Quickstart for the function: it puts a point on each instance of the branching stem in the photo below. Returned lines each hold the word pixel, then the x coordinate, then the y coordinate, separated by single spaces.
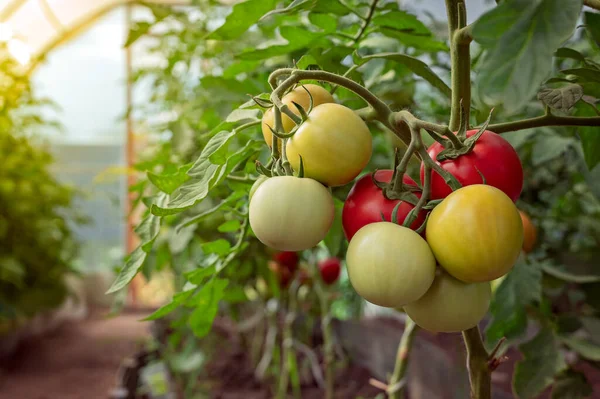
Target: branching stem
pixel 396 386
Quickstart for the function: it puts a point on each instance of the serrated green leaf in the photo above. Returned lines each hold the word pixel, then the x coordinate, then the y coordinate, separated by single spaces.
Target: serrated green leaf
pixel 178 299
pixel 331 6
pixel 562 98
pixel 417 66
pixel 206 306
pixel 586 349
pixel 521 287
pixel 128 272
pixel 215 144
pixel 235 294
pixel 242 17
pixel 306 61
pixel 335 236
pixel 521 37
pixel 243 115
pixel 229 226
pixel 571 384
pixel 195 219
pixel 401 21
pixel 167 183
pixel 148 230
pixel 220 247
pixel 297 38
pixel 570 277
pixel 592 24
pixel 542 361
pixel 424 43
pixel 589 74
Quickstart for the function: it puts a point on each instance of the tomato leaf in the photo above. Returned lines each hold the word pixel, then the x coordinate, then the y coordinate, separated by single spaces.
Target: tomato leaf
pixel 196 219
pixel 242 17
pixel 178 299
pixel 549 146
pixel 401 21
pixel 586 349
pixel 229 226
pixel 206 305
pixel 327 22
pixel 335 237
pixel 588 74
pixel 296 37
pixel 562 98
pixel 420 42
pixel 521 287
pixel 220 247
pixel 592 24
pixel 293 7
pixel 590 139
pixel 542 361
pixel 128 272
pixel 571 384
pixel 417 66
pixel 565 52
pixel 520 37
pixel 167 183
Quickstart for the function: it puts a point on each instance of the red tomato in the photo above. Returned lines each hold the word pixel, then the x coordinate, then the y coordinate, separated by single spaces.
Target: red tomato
pixel 492 155
pixel 366 202
pixel 283 274
pixel 330 270
pixel 288 259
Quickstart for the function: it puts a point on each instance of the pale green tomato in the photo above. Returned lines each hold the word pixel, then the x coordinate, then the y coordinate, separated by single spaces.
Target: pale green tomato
pixel 261 179
pixel 389 265
pixel 289 213
pixel 450 305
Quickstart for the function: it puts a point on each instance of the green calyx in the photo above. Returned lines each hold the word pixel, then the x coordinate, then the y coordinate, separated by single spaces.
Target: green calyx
pixel 467 144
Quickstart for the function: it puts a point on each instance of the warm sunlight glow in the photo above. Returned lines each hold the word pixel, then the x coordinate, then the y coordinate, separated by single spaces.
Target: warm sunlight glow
pixel 19 50
pixel 6 32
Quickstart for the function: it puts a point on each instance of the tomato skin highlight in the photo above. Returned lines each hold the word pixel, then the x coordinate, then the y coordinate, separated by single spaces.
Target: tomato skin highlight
pixel 389 265
pixel 330 270
pixel 450 305
pixel 288 213
pixel 529 233
pixel 335 145
pixel 476 233
pixel 492 155
pixel 299 95
pixel 365 204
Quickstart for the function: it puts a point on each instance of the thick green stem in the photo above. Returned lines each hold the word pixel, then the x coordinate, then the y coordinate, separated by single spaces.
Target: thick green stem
pixel 480 375
pixel 460 61
pixel 545 120
pixel 328 349
pixel 289 370
pixel 396 384
pixel 295 75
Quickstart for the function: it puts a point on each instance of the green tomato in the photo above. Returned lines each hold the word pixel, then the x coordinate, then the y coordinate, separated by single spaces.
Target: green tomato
pixel 476 233
pixel 289 213
pixel 334 143
pixel 450 305
pixel 389 265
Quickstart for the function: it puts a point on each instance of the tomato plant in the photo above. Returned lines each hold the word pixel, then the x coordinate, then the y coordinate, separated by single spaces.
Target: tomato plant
pixel 367 204
pixel 529 232
pixel 450 305
pixel 334 143
pixel 389 265
pixel 492 158
pixel 291 214
pixel 357 53
pixel 491 233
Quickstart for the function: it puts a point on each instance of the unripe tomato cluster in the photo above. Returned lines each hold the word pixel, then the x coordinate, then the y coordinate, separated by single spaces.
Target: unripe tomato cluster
pixel 440 277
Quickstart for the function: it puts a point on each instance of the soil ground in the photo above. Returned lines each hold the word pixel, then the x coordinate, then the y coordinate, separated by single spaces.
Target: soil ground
pixel 77 361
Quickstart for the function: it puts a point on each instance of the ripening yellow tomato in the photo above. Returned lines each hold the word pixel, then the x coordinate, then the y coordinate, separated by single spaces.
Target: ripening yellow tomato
pixel 298 96
pixel 335 145
pixel 476 233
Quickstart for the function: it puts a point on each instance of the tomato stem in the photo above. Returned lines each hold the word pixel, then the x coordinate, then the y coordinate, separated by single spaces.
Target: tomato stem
pixel 545 120
pixel 480 375
pixel 460 61
pixel 396 385
pixel 328 349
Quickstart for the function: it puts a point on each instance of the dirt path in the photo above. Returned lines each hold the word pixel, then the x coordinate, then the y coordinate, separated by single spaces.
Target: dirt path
pixel 78 361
